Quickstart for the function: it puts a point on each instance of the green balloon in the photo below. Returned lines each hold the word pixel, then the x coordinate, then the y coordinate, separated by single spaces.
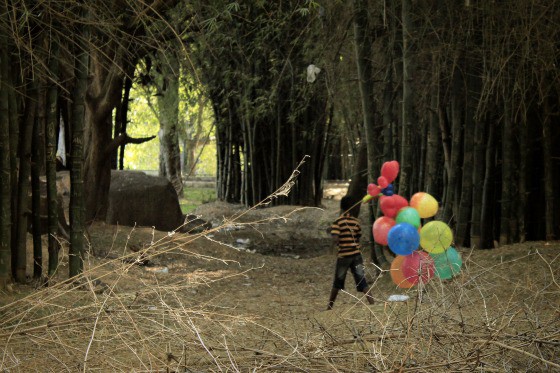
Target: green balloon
pixel 448 263
pixel 409 215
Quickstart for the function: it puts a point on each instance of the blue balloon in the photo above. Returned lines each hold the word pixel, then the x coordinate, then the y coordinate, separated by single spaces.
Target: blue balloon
pixel 403 239
pixel 388 191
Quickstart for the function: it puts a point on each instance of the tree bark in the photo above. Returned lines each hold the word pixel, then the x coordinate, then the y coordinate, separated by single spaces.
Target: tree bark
pixel 50 139
pixel 507 177
pixel 5 172
pixel 77 213
pixel 548 173
pixel 450 207
pixel 477 182
pixel 487 213
pixel 168 104
pixel 465 202
pixel 434 137
pixel 363 53
pixel 406 148
pixel 36 161
pixel 23 182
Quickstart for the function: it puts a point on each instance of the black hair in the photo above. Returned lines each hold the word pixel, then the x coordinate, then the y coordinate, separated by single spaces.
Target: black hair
pixel 350 204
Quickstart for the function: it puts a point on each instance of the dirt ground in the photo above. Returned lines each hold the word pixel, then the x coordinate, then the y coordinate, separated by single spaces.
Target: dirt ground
pixel 250 295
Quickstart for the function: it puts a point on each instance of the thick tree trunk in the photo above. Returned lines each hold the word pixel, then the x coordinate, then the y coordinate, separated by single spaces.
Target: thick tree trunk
pixel 168 104
pixel 477 182
pixel 50 139
pixel 508 180
pixel 487 213
pixel 465 202
pixel 433 171
pixel 450 207
pixel 77 216
pixel 523 193
pixel 548 173
pixel 15 122
pixel 103 95
pixel 5 172
pixel 406 147
pixel 36 161
pixel 363 45
pixel 23 182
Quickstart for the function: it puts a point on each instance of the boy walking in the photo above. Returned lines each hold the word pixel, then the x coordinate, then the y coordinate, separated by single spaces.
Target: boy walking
pixel 346 233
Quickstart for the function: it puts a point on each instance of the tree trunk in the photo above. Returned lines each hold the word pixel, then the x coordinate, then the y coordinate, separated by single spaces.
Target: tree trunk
pixel 487 213
pixel 124 117
pixel 405 174
pixel 36 160
pixel 50 138
pixel 168 104
pixel 5 172
pixel 103 95
pixel 465 202
pixel 523 193
pixel 77 213
pixel 14 157
pixel 450 207
pixel 507 177
pixel 477 182
pixel 23 182
pixel 548 173
pixel 433 171
pixel 363 44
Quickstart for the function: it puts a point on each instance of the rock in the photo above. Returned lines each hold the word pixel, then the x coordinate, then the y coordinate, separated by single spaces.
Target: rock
pixel 194 224
pixel 136 198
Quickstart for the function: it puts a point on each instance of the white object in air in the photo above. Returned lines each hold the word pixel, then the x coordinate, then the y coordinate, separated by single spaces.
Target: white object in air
pixel 312 72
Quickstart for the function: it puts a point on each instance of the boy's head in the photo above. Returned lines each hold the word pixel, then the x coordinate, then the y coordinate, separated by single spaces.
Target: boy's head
pixel 350 205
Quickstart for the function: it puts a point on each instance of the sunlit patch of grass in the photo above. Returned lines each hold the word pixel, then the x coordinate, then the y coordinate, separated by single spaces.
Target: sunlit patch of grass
pixel 194 197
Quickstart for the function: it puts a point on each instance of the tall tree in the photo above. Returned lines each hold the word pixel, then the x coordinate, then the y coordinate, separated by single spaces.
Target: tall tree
pixel 50 146
pixel 167 81
pixel 77 208
pixel 5 172
pixel 23 181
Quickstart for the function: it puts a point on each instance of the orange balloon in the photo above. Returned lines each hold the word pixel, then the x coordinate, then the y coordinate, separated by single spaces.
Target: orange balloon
pixel 397 274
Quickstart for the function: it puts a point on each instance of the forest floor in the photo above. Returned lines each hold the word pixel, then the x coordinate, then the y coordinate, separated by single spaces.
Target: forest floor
pixel 251 294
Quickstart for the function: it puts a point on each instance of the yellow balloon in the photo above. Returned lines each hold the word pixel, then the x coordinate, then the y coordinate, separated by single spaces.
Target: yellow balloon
pixel 426 205
pixel 436 237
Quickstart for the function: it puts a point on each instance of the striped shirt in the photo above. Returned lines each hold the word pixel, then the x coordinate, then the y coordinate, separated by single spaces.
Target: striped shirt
pixel 348 230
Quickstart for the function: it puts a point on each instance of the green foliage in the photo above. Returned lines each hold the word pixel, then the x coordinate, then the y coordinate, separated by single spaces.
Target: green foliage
pixel 194 197
pixel 143 123
pixel 195 117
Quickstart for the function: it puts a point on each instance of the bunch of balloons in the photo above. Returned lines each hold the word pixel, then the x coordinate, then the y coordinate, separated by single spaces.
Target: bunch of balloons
pixel 401 229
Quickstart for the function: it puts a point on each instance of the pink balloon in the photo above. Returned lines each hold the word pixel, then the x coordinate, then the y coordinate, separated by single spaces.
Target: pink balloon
pixel 373 190
pixel 390 205
pixel 381 228
pixel 382 181
pixel 390 170
pixel 418 266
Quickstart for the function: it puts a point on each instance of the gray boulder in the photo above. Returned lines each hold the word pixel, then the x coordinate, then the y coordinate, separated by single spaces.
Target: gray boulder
pixel 136 198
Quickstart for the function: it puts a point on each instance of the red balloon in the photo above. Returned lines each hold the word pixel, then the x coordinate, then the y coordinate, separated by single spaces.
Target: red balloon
pixel 418 266
pixel 390 170
pixel 381 228
pixel 390 205
pixel 382 181
pixel 373 190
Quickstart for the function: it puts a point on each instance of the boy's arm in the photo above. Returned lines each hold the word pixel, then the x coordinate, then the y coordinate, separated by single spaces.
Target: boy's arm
pixel 334 248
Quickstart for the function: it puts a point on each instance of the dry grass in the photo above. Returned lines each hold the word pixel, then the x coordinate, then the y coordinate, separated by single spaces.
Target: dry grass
pixel 224 310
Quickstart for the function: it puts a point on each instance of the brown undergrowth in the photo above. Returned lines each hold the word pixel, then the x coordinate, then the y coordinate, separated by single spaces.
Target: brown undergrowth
pixel 205 304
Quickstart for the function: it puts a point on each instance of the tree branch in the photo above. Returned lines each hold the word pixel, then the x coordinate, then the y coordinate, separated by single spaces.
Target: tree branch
pixel 124 139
